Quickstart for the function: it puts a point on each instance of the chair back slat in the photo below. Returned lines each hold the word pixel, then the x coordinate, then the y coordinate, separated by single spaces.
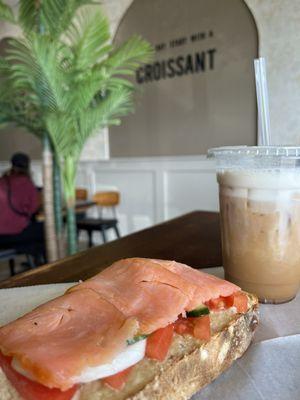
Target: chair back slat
pixel 107 199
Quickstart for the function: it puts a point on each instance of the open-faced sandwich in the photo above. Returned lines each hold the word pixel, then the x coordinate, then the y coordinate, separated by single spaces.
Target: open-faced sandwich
pixel 141 329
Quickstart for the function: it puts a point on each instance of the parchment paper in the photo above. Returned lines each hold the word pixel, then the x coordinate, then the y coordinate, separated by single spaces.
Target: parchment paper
pixel 17 301
pixel 270 369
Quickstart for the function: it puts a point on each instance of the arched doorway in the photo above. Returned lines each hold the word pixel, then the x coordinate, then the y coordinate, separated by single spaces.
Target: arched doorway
pixel 199 91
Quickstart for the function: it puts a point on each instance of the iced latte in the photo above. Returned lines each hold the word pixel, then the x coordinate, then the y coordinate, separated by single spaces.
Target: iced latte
pixel 260 223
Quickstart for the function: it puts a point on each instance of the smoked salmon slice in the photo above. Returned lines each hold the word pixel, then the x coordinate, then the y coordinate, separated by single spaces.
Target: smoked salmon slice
pixel 208 286
pixel 156 291
pixel 57 340
pixel 138 287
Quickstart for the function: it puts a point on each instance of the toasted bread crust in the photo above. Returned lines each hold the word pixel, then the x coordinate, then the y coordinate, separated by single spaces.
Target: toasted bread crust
pixel 197 369
pixel 184 376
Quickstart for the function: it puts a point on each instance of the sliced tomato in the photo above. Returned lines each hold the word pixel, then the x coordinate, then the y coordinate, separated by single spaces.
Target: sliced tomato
pixel 202 327
pixel 240 301
pixel 221 303
pixel 198 327
pixel 30 390
pixel 184 326
pixel 118 380
pixel 159 342
pixel 228 301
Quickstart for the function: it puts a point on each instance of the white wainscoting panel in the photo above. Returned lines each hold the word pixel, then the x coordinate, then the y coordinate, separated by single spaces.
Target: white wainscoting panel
pixel 137 189
pixel 152 189
pixel 187 190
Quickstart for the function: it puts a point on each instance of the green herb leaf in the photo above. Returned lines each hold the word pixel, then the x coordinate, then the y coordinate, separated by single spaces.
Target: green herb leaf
pixel 136 339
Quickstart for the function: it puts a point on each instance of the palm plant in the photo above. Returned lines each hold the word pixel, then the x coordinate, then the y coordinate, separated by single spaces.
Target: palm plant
pixel 42 18
pixel 75 75
pixel 92 93
pixel 17 106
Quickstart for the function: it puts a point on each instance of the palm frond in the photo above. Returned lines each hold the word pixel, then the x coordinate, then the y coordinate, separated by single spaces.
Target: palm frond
pixel 107 112
pixel 48 17
pixel 88 36
pixel 58 14
pixel 29 15
pixel 83 92
pixel 4 113
pixel 62 130
pixel 69 131
pixel 93 84
pixel 87 86
pixel 26 116
pixel 6 13
pixel 36 68
pixel 129 56
pixel 4 68
pixel 114 83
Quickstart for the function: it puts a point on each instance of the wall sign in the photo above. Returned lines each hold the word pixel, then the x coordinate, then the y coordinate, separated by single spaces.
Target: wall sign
pixel 178 66
pixel 199 90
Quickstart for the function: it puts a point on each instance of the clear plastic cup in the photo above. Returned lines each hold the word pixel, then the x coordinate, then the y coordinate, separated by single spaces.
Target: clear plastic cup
pixel 259 189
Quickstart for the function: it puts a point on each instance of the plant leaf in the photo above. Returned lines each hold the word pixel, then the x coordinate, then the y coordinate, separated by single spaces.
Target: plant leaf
pixel 89 35
pixel 130 56
pixel 64 77
pixel 69 131
pixel 58 14
pixel 29 15
pixel 36 68
pixel 6 13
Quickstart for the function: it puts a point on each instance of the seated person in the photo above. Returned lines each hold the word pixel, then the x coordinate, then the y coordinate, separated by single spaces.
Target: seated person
pixel 19 201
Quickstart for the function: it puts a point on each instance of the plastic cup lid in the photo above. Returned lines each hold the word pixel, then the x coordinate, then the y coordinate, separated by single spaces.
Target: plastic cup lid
pixel 286 151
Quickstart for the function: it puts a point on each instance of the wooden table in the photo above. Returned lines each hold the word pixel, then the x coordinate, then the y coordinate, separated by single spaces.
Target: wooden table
pixel 80 207
pixel 193 239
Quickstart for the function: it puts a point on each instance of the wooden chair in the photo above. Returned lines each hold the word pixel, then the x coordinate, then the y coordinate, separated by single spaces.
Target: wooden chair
pixel 107 199
pixel 101 224
pixel 9 255
pixel 81 194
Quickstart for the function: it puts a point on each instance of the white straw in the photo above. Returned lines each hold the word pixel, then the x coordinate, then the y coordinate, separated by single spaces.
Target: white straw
pixel 264 138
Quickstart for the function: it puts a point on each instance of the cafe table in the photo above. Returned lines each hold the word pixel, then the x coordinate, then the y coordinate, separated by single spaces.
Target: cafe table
pixel 193 239
pixel 81 206
pixel 270 369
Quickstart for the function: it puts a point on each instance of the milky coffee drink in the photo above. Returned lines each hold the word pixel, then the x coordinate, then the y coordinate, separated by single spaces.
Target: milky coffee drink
pixel 260 221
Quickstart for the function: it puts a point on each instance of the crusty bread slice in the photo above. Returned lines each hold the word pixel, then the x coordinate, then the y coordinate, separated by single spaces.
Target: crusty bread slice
pixel 191 364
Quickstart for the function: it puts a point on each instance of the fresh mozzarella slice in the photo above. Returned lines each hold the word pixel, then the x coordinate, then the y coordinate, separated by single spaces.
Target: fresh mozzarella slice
pixel 17 367
pixel 130 356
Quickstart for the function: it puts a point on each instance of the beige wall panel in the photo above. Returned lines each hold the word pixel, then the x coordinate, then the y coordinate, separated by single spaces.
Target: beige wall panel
pixel 187 114
pixel 14 139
